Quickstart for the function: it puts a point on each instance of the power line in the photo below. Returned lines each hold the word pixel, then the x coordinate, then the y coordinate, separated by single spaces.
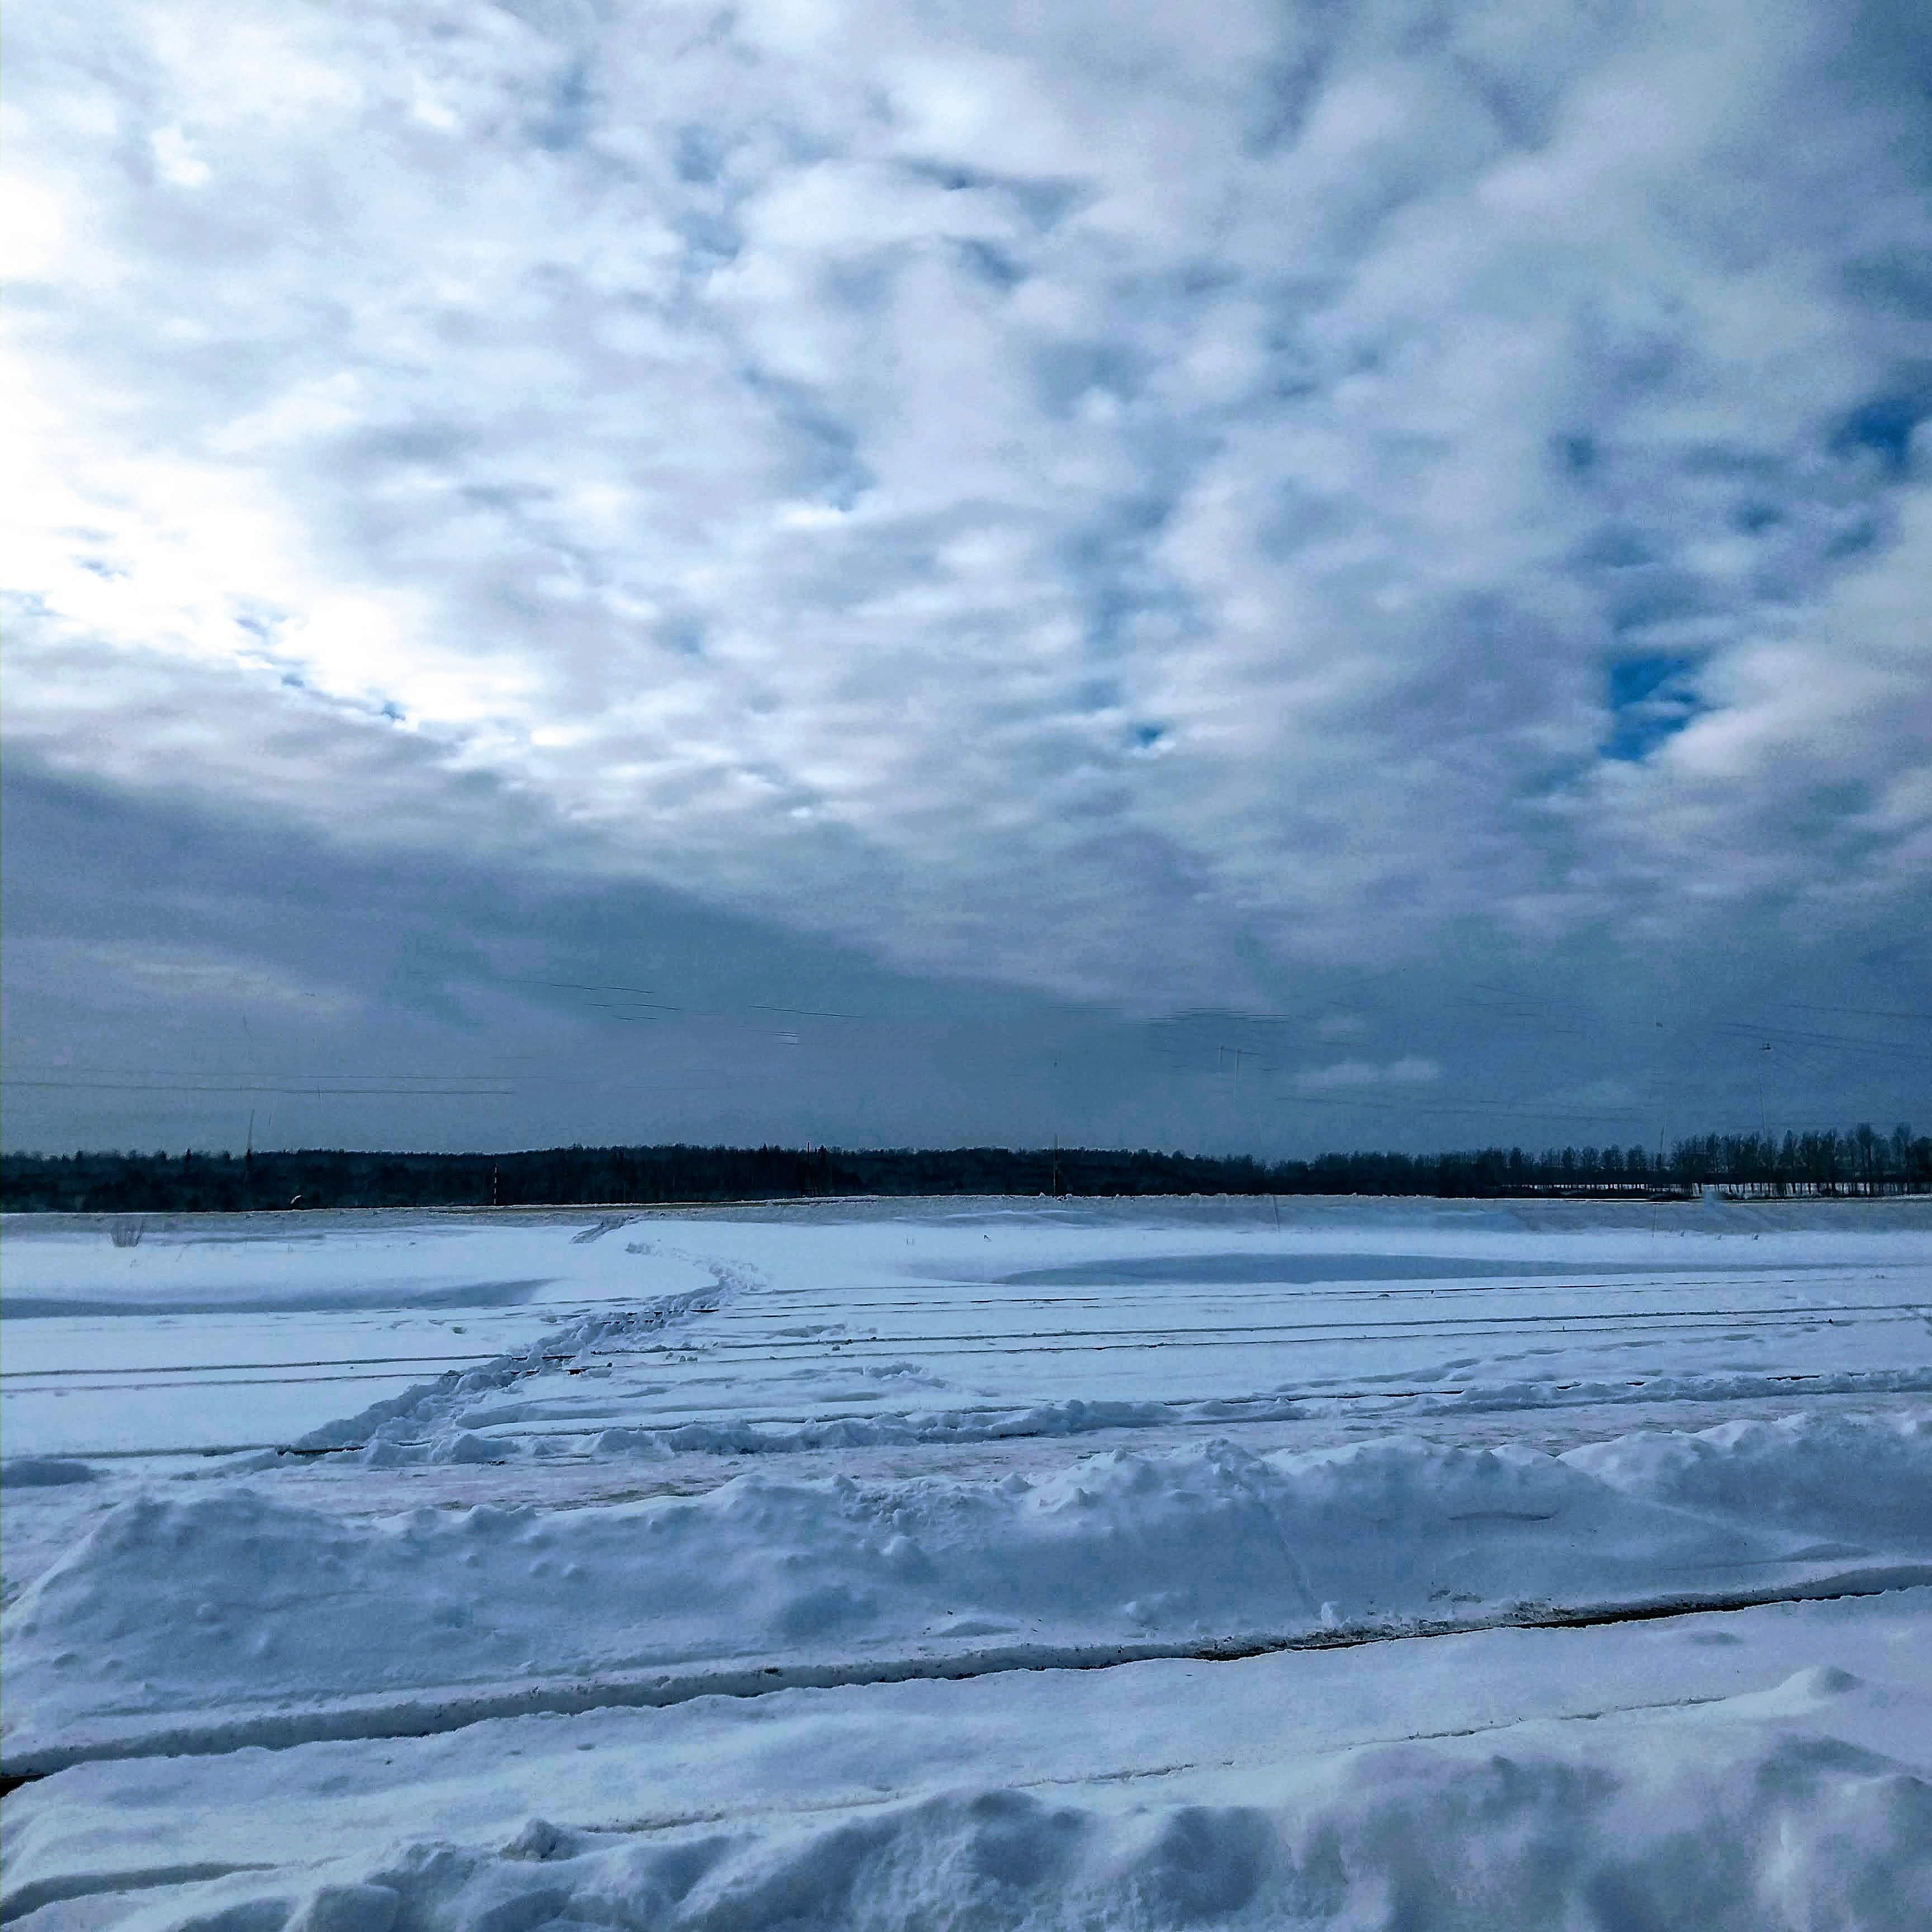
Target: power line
pixel 312 1092
pixel 1823 1043
pixel 645 996
pixel 581 986
pixel 223 1073
pixel 1863 1012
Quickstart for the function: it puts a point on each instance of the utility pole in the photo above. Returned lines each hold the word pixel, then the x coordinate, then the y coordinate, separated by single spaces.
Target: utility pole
pixel 1239 1053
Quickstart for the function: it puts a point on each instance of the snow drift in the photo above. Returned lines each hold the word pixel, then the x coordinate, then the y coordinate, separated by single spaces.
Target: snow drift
pixel 235 1602
pixel 1739 1817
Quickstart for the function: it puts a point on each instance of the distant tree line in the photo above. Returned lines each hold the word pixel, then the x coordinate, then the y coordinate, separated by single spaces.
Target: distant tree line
pixel 1863 1162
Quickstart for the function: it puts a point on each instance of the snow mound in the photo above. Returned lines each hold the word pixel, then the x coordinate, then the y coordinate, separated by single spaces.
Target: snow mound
pixel 1072 1417
pixel 1730 1387
pixel 44 1472
pixel 1864 1476
pixel 426 1434
pixel 1720 1824
pixel 236 1601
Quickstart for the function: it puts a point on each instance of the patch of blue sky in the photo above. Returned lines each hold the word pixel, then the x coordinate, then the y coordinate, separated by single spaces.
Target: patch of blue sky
pixel 1044 202
pixel 566 117
pixel 824 450
pixel 1883 426
pixel 1652 699
pixel 994 267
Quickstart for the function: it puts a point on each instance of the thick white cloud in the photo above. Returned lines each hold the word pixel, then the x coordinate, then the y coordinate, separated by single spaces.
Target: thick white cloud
pixel 1123 499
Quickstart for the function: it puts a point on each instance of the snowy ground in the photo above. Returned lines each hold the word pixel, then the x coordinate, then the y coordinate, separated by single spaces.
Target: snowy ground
pixel 1108 1564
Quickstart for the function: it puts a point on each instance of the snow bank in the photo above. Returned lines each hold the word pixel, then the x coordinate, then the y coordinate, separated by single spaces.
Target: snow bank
pixel 1653 1389
pixel 1736 1818
pixel 1868 1476
pixel 995 1424
pixel 234 1602
pixel 990 1424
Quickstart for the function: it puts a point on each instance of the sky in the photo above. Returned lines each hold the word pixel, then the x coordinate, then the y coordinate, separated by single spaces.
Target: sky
pixel 1340 573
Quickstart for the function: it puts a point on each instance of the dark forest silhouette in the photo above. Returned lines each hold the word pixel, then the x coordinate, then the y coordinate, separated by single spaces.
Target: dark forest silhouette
pixel 1862 1162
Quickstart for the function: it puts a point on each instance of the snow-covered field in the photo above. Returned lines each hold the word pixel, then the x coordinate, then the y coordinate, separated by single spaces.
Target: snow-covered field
pixel 1349 1563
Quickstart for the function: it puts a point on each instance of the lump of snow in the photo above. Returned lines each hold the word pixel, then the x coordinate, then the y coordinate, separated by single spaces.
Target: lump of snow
pixel 468 1447
pixel 540 1840
pixel 349 1908
pixel 1868 1475
pixel 43 1472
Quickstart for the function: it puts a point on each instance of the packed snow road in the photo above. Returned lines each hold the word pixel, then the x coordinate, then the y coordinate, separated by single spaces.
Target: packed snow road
pixel 401 1498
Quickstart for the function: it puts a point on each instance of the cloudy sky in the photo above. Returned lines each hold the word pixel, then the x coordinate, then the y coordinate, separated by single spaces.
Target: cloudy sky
pixel 1339 572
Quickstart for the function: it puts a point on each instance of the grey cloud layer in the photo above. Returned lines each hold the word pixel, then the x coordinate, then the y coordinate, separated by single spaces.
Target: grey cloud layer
pixel 182 974
pixel 1128 500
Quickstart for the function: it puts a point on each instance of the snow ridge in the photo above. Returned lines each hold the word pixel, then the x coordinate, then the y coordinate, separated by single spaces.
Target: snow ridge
pixel 434 1711
pixel 1075 1417
pixel 237 1601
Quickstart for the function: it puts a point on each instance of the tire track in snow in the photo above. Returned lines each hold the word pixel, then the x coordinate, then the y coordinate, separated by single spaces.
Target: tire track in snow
pixel 1244 1334
pixel 31 1897
pixel 791 1434
pixel 419 1409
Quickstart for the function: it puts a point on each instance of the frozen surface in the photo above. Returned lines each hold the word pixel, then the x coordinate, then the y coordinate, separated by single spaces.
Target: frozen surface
pixel 940 1321
pixel 401 1482
pixel 250 1331
pixel 979 1323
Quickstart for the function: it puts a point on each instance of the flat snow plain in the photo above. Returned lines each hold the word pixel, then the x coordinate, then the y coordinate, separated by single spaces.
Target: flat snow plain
pixel 974 1563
